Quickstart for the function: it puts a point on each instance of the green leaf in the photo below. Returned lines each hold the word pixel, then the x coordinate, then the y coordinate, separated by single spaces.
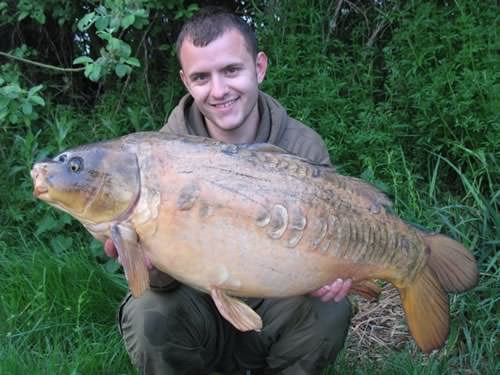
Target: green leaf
pixel 96 248
pixel 114 24
pixel 39 16
pixel 102 22
pixel 121 70
pixel 114 44
pixel 37 100
pixel 27 108
pixel 46 224
pixel 11 91
pixel 86 21
pixel 127 21
pixel 104 35
pixel 88 70
pixel 133 61
pixel 125 49
pixel 101 10
pixel 13 118
pixel 4 101
pixel 82 60
pixel 34 90
pixel 61 243
pixel 95 73
pixel 112 266
pixel 22 15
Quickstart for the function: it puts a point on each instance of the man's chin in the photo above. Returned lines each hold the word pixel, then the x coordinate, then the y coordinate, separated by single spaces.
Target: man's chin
pixel 226 124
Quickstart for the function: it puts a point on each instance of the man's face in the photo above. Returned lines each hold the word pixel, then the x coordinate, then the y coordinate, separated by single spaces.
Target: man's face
pixel 223 78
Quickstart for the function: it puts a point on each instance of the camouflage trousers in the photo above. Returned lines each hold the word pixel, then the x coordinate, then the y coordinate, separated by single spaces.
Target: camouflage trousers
pixel 180 332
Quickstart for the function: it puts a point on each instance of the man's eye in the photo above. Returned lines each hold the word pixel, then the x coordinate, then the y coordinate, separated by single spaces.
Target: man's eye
pixel 199 77
pixel 232 70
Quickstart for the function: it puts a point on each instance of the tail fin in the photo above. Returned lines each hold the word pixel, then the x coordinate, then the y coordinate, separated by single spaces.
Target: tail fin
pixel 426 307
pixel 454 266
pixel 450 268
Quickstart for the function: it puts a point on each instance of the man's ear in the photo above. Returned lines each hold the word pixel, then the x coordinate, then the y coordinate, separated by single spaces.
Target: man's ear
pixel 261 66
pixel 184 79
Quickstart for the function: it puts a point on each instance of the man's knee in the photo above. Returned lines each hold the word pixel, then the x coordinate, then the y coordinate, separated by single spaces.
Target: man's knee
pixel 167 328
pixel 332 317
pixel 177 332
pixel 332 324
pixel 143 324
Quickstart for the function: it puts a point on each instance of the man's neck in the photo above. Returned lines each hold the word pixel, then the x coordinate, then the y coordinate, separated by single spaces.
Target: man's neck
pixel 246 133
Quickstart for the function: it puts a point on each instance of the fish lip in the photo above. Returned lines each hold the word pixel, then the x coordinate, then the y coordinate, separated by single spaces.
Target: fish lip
pixel 38 175
pixel 40 191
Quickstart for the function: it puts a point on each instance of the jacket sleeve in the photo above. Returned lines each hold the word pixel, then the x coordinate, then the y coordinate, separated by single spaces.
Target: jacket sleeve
pixel 303 141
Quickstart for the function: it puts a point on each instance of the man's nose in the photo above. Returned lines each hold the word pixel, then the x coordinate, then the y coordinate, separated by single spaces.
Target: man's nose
pixel 219 87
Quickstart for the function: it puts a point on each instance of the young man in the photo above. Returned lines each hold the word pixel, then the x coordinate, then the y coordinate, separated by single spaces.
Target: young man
pixel 173 329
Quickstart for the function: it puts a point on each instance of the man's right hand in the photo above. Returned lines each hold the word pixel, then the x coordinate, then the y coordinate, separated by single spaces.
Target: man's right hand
pixel 110 249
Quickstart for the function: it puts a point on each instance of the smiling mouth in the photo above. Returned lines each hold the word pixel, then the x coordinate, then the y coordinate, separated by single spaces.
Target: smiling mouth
pixel 225 104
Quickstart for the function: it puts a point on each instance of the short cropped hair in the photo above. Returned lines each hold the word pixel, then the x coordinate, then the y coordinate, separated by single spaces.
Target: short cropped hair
pixel 211 23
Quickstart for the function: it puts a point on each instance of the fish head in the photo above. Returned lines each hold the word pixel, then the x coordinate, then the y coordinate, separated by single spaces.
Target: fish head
pixel 93 183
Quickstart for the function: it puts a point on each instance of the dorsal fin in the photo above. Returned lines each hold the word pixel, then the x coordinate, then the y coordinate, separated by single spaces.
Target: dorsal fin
pixel 270 148
pixel 368 195
pixel 264 147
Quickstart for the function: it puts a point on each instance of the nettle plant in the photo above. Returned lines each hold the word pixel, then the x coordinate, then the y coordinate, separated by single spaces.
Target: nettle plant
pixel 18 105
pixel 111 22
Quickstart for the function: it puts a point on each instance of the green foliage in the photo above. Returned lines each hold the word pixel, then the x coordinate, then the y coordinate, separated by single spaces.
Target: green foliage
pixel 17 104
pixel 111 19
pixel 16 11
pixel 55 311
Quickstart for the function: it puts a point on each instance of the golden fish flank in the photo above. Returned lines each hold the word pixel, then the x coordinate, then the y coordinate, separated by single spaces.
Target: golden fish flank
pixel 214 215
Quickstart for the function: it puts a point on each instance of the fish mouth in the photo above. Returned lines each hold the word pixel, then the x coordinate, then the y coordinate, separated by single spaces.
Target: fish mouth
pixel 40 188
pixel 40 192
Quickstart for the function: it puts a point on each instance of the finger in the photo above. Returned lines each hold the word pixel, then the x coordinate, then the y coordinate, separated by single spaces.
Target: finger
pixel 320 292
pixel 110 249
pixel 148 263
pixel 344 290
pixel 334 288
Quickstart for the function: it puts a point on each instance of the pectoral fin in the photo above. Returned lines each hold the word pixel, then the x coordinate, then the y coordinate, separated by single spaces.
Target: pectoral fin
pixel 131 256
pixel 236 312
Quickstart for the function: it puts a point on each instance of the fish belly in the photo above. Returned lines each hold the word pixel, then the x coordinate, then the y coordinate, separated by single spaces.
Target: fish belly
pixel 219 252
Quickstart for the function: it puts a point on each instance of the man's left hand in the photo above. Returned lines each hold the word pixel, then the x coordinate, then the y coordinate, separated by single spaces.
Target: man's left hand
pixel 336 290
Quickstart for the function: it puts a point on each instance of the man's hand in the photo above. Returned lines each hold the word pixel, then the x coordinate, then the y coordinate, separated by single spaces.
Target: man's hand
pixel 336 290
pixel 110 249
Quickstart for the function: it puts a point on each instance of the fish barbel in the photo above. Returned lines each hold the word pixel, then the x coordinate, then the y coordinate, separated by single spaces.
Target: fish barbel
pixel 251 221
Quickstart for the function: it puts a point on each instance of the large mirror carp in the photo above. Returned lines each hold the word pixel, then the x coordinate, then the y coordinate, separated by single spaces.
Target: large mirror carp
pixel 251 221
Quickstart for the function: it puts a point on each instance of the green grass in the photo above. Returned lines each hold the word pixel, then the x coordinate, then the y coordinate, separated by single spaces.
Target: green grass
pixel 57 313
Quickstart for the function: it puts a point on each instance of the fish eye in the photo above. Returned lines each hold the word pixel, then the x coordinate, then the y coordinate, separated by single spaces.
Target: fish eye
pixel 62 158
pixel 75 164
